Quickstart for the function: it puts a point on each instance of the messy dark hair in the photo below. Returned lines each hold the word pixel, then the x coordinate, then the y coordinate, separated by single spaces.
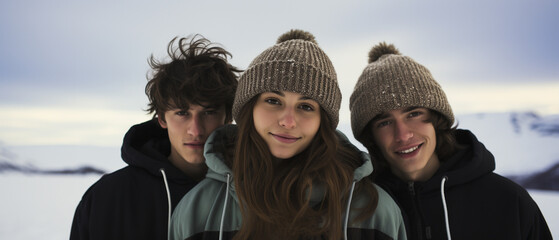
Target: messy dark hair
pixel 446 141
pixel 197 73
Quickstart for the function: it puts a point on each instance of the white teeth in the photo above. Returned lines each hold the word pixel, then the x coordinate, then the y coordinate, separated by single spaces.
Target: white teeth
pixel 409 150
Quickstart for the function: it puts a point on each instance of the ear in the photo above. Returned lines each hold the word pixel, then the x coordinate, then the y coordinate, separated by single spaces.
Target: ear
pixel 161 122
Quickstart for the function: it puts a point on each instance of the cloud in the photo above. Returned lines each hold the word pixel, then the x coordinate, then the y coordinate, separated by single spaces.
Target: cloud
pixel 66 57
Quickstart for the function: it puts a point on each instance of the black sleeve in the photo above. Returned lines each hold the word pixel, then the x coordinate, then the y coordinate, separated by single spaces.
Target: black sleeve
pixel 80 224
pixel 536 226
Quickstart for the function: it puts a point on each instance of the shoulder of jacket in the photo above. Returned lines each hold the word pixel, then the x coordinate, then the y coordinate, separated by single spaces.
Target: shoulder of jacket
pixel 120 179
pixel 199 209
pixel 387 217
pixel 388 203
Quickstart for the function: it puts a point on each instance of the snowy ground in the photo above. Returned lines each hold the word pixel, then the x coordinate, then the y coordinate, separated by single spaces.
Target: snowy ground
pixel 42 207
pixel 39 206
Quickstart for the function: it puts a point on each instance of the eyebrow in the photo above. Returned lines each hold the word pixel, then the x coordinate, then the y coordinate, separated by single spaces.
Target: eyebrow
pixel 204 107
pixel 211 107
pixel 380 116
pixel 283 95
pixel 384 115
pixel 409 109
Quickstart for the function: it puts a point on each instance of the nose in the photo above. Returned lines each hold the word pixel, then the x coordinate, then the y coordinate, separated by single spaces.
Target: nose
pixel 287 119
pixel 195 128
pixel 402 131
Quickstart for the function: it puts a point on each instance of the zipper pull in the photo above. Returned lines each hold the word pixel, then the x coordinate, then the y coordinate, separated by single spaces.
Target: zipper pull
pixel 411 188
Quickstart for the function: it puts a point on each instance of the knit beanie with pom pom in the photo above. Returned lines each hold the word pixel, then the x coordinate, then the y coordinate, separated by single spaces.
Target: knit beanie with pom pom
pixel 294 64
pixel 392 81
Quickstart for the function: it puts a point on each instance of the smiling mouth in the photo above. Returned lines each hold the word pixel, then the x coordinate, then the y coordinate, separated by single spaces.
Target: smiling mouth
pixel 409 150
pixel 285 138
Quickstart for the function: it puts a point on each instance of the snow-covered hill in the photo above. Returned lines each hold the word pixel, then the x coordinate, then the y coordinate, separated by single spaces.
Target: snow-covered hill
pixel 41 185
pixel 521 142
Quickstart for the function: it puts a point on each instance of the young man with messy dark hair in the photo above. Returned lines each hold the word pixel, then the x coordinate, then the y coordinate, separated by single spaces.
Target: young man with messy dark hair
pixel 189 96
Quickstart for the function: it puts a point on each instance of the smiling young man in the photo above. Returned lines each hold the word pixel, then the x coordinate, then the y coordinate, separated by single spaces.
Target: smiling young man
pixel 442 177
pixel 407 140
pixel 189 96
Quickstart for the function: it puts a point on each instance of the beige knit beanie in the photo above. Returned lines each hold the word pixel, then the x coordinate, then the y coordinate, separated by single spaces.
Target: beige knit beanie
pixel 294 64
pixel 392 81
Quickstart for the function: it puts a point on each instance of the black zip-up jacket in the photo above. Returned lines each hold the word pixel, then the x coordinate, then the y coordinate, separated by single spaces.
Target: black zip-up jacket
pixel 133 202
pixel 480 203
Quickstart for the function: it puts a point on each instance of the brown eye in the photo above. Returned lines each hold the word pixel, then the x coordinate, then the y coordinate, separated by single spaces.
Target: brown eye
pixel 381 124
pixel 306 107
pixel 181 113
pixel 273 101
pixel 210 112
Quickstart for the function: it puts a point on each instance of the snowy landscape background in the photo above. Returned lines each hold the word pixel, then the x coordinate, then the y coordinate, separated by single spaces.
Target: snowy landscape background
pixel 42 185
pixel 73 75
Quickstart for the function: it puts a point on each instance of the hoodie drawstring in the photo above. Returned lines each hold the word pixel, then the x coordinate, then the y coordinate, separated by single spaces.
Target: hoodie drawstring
pixel 168 202
pixel 348 208
pixel 224 208
pixel 445 208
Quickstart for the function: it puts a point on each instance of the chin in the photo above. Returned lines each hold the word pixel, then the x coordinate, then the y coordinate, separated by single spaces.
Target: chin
pixel 283 155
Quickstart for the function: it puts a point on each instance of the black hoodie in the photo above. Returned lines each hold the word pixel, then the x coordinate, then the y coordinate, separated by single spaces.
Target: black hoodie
pixel 480 203
pixel 132 203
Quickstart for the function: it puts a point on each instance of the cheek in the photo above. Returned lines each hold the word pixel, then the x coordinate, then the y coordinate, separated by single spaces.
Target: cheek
pixel 262 116
pixel 428 130
pixel 256 116
pixel 258 120
pixel 309 125
pixel 377 137
pixel 433 135
pixel 382 139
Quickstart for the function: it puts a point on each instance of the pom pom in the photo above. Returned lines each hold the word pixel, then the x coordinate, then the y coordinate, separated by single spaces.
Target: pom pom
pixel 382 49
pixel 297 34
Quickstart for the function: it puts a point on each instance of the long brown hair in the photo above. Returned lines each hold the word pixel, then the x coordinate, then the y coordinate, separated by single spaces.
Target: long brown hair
pixel 275 198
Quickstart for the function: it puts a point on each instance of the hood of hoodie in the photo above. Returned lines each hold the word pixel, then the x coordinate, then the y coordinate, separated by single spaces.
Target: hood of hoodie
pixel 147 146
pixel 366 168
pixel 470 162
pixel 218 170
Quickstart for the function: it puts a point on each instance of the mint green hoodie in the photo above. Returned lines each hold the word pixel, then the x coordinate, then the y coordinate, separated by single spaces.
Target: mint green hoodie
pixel 211 209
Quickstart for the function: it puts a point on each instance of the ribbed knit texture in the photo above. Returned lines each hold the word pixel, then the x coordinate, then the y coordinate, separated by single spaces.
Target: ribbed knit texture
pixel 394 82
pixel 295 65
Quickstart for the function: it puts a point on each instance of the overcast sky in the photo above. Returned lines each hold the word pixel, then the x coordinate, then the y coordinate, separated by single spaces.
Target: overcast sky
pixel 74 72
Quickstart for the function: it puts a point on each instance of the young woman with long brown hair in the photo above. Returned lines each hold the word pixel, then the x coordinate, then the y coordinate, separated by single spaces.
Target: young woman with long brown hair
pixel 284 172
